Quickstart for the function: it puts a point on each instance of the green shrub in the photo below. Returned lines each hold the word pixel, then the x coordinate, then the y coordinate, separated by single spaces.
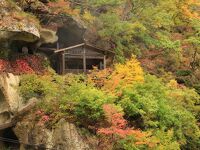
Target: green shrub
pixel 183 72
pixel 32 85
pixel 166 111
pixel 128 144
pixel 197 88
pixel 157 107
pixel 85 102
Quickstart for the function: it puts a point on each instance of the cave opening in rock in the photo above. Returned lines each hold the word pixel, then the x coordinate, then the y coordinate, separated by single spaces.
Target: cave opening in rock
pixel 72 53
pixel 69 36
pixel 19 47
pixel 9 140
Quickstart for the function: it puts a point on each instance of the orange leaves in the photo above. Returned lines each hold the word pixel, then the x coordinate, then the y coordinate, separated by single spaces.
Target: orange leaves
pixel 117 126
pixel 4 65
pixel 188 8
pixel 62 6
pixel 114 116
pixel 99 77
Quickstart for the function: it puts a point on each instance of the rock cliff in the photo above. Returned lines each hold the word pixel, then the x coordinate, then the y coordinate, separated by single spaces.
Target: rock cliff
pixel 11 104
pixel 18 116
pixel 65 136
pixel 17 25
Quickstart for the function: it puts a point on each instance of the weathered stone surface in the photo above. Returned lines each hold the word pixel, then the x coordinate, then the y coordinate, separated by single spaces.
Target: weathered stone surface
pixel 11 104
pixel 9 84
pixel 37 6
pixel 9 96
pixel 48 36
pixel 65 136
pixel 14 23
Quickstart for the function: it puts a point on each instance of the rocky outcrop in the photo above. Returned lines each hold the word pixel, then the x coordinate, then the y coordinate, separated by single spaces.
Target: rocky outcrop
pixel 8 85
pixel 13 113
pixel 11 104
pixel 34 5
pixel 19 29
pixel 17 25
pixel 9 99
pixel 65 136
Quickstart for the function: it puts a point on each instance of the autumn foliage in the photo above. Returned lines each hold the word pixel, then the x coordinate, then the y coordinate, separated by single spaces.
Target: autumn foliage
pixel 3 65
pixel 123 107
pixel 118 127
pixel 122 76
pixel 62 6
pixel 21 66
pixel 24 65
pixel 117 124
pixel 186 8
pixel 42 117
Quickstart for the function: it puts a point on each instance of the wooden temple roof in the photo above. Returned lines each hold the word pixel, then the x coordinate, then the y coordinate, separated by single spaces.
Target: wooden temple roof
pixel 75 46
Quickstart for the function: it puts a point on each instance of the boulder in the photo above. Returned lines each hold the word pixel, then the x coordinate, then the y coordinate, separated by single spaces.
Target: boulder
pixel 65 136
pixel 10 100
pixel 17 25
pixel 11 104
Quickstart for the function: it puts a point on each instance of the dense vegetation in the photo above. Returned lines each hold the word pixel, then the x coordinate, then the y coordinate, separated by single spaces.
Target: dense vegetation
pixel 126 108
pixel 164 35
pixel 149 99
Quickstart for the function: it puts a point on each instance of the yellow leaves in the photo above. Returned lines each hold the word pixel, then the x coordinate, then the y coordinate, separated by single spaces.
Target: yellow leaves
pixel 88 17
pixel 175 91
pixel 123 75
pixel 128 73
pixel 99 77
pixel 172 84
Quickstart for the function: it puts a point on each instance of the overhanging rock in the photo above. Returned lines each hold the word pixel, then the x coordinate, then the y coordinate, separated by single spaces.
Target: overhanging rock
pixel 17 25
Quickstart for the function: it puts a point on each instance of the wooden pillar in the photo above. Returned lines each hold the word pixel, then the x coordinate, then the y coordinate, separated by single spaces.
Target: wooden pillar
pixel 63 63
pixel 84 59
pixel 104 62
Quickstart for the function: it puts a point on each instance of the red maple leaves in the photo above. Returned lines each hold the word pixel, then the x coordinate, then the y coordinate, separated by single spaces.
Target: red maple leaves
pixel 117 124
pixel 3 65
pixel 43 118
pixel 25 65
pixel 117 129
pixel 21 66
